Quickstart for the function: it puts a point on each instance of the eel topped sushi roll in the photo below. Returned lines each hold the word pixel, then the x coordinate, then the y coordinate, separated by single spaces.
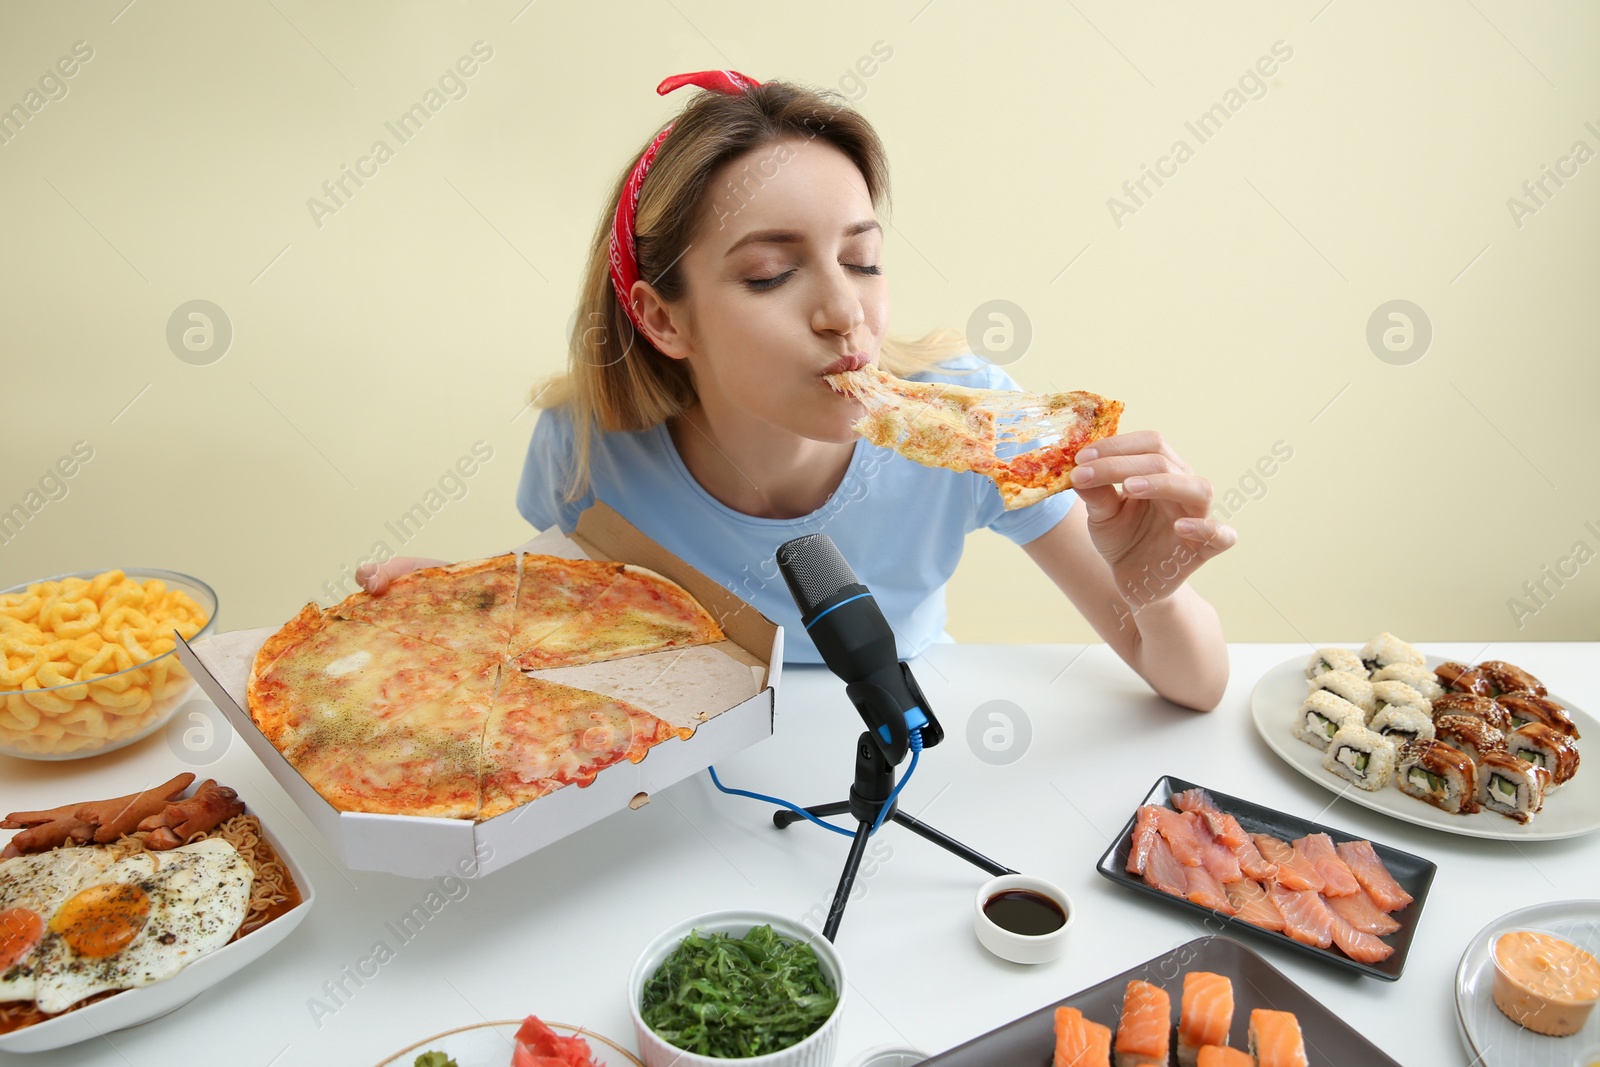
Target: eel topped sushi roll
pixel 1361 756
pixel 1443 776
pixel 1472 706
pixel 1524 708
pixel 1144 1032
pixel 1509 678
pixel 1460 678
pixel 1324 660
pixel 1421 679
pixel 1513 787
pixel 1474 737
pixel 1275 1039
pixel 1541 746
pixel 1321 715
pixel 1206 1014
pixel 1386 649
pixel 1401 723
pixel 1357 691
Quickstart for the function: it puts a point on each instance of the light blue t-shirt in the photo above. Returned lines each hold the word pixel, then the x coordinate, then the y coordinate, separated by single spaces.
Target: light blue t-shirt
pixel 901 526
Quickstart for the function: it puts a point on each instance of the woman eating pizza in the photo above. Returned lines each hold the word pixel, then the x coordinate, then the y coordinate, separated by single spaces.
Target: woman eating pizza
pixel 738 262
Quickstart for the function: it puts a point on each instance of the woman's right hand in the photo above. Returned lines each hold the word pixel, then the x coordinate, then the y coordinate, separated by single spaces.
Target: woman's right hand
pixel 375 577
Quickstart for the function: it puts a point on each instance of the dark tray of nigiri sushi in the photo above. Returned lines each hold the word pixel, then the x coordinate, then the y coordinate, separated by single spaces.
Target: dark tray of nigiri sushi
pixel 1329 894
pixel 1253 985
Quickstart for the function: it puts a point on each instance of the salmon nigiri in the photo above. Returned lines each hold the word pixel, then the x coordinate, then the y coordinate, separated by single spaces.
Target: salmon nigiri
pixel 1206 1014
pixel 1079 1041
pixel 1275 1039
pixel 1222 1056
pixel 1144 1031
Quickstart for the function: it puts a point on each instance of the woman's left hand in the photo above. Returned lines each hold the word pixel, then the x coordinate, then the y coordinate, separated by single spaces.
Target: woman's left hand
pixel 1154 532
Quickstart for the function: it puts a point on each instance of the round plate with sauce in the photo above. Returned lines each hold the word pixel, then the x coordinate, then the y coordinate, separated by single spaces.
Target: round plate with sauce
pixel 1569 811
pixel 1493 1040
pixel 490 1045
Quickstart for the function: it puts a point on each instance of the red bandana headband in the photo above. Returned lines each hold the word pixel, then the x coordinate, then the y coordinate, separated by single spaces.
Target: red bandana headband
pixel 624 256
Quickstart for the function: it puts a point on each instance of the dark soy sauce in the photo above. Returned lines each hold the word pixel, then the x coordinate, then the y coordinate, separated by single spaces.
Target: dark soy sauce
pixel 1023 911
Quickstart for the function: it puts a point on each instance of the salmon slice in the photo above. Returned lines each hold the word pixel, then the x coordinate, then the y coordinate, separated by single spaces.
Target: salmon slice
pixel 1206 891
pixel 1253 863
pixel 1223 827
pixel 1144 1030
pixel 1361 947
pixel 1163 871
pixel 1222 1056
pixel 1336 877
pixel 1215 857
pixel 1305 917
pixel 1179 832
pixel 1207 1010
pixel 1363 861
pixel 1359 911
pixel 1080 1042
pixel 1293 872
pixel 1252 904
pixel 1275 1039
pixel 1144 833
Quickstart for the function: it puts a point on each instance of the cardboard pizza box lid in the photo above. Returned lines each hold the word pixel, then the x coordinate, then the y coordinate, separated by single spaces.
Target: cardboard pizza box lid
pixel 744 670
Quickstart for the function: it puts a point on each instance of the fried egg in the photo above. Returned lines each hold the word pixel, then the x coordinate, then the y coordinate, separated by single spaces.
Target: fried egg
pixel 138 920
pixel 32 887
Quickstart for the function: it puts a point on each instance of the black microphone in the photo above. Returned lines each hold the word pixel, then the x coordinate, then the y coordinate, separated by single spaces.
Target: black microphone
pixel 845 623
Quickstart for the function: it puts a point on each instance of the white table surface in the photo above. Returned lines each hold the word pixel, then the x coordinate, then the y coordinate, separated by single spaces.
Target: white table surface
pixel 556 933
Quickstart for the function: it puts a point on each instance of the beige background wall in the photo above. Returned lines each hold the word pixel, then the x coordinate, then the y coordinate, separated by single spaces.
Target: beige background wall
pixel 376 346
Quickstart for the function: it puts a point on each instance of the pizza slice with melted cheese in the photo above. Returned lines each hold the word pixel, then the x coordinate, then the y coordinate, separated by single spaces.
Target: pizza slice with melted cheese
pixel 465 606
pixel 554 591
pixel 639 611
pixel 543 735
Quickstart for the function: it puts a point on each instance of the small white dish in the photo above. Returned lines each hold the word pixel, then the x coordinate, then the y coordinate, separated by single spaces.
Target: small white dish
pixel 490 1045
pixel 1021 948
pixel 890 1056
pixel 817 1050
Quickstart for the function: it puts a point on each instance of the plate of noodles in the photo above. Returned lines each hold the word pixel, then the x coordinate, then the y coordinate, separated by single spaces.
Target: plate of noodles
pixel 1400 788
pixel 102 901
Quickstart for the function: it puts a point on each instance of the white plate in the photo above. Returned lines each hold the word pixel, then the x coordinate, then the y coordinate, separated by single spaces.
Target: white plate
pixel 1493 1040
pixel 1570 811
pixel 490 1045
pixel 134 1006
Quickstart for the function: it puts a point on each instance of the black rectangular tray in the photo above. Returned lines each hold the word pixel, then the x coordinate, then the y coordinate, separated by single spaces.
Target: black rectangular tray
pixel 1030 1040
pixel 1414 874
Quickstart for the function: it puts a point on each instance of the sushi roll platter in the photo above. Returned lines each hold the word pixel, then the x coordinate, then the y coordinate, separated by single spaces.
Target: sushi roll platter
pixel 1209 1002
pixel 1482 750
pixel 1317 890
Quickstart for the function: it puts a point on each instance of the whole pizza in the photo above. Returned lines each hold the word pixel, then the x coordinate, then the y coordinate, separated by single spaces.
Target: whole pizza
pixel 414 702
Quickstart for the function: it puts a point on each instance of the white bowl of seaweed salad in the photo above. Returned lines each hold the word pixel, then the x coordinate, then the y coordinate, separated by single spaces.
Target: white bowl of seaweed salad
pixel 742 986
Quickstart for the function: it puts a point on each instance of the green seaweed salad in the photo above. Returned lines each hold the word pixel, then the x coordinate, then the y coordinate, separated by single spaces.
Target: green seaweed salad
pixel 736 997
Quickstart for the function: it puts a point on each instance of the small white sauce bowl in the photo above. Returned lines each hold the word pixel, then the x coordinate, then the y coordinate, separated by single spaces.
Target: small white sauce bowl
pixel 889 1056
pixel 1021 948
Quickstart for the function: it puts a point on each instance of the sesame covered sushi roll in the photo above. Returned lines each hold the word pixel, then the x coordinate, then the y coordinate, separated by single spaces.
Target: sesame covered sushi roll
pixel 1324 660
pixel 1467 705
pixel 1508 678
pixel 1541 746
pixel 1524 708
pixel 1513 787
pixel 1361 756
pixel 1357 691
pixel 1321 715
pixel 1474 737
pixel 1402 723
pixel 1421 679
pixel 1439 774
pixel 1387 693
pixel 1386 649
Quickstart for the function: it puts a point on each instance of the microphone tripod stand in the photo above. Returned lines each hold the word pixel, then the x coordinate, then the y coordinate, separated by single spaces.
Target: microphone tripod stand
pixel 874 783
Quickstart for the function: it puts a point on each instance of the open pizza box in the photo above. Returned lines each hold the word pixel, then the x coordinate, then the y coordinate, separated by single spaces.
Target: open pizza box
pixel 725 692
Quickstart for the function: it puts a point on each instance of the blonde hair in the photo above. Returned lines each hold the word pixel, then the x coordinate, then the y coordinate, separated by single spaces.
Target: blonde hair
pixel 616 380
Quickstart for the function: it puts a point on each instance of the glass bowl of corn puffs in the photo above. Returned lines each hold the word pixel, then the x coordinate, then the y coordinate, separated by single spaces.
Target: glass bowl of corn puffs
pixel 87 660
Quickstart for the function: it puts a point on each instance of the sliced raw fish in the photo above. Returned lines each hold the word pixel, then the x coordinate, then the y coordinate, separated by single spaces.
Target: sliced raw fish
pixel 1336 877
pixel 1252 904
pixel 1306 917
pixel 1207 1010
pixel 1206 891
pixel 1215 857
pixel 1163 871
pixel 1363 861
pixel 1364 948
pixel 1224 827
pixel 1144 834
pixel 1359 911
pixel 1252 862
pixel 1293 871
pixel 1179 833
